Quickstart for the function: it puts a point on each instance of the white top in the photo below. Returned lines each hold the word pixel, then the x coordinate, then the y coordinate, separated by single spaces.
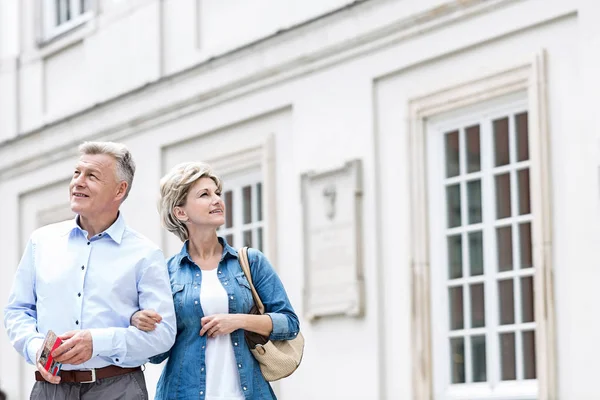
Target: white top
pixel 222 377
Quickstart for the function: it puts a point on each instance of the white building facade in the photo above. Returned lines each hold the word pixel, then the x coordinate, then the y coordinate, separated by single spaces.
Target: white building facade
pixel 470 127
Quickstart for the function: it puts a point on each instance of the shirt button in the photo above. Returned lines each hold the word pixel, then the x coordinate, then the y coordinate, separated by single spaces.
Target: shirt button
pixel 77 322
pixel 116 359
pixel 82 267
pixel 88 243
pixel 78 294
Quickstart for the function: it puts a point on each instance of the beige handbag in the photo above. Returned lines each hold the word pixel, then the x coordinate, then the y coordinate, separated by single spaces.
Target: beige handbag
pixel 277 358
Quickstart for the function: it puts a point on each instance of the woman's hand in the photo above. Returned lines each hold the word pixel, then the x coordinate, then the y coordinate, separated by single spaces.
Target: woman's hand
pixel 220 324
pixel 145 320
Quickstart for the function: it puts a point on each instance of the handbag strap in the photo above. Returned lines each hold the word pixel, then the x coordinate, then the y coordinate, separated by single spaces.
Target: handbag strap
pixel 245 264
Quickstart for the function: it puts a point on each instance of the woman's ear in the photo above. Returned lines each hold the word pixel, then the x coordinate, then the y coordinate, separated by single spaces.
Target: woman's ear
pixel 180 214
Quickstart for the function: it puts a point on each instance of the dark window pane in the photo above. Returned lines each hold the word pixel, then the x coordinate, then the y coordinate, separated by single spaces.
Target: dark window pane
pixel 524 202
pixel 473 149
pixel 477 306
pixel 457 362
pixel 259 216
pixel 247 238
pixel 478 357
pixel 68 7
pixel 522 137
pixel 507 302
pixel 505 249
pixel 456 308
pixel 474 201
pixel 228 200
pixel 502 156
pixel 453 202
pixel 476 253
pixel 452 154
pixel 247 203
pixel 503 196
pixel 529 355
pixel 455 257
pixel 259 239
pixel 525 245
pixel 229 239
pixel 507 355
pixel 527 311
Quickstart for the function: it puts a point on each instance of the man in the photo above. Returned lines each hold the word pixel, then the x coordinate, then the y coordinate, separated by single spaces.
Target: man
pixel 83 279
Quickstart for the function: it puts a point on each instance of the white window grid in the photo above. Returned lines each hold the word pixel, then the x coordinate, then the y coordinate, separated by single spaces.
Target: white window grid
pixel 493 387
pixel 243 196
pixel 60 16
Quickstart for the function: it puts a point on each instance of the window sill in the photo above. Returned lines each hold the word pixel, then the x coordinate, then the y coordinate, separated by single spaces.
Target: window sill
pixel 67 35
pixel 513 390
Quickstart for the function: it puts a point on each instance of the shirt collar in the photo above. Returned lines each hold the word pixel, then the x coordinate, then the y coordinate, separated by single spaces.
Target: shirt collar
pixel 228 251
pixel 115 231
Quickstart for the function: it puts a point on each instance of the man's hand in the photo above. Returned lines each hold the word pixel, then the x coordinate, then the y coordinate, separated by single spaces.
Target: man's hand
pixel 146 320
pixel 76 349
pixel 219 324
pixel 45 374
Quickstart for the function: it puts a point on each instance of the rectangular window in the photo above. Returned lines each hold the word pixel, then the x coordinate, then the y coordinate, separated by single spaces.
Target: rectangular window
pixel 60 16
pixel 483 274
pixel 244 223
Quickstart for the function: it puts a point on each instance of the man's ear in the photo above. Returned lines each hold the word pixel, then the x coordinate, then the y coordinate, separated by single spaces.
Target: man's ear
pixel 121 190
pixel 180 214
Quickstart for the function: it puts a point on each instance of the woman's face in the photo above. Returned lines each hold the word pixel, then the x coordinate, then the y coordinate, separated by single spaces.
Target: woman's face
pixel 203 205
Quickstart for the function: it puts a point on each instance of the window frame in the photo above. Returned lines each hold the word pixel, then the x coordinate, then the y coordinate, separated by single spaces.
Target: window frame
pixel 235 184
pixel 436 128
pixel 528 76
pixel 51 31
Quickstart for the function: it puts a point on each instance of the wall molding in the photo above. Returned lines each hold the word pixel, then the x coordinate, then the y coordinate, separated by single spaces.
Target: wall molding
pixel 223 78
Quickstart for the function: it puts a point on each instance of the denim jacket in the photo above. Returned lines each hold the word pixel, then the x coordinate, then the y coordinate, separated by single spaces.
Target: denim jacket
pixel 184 375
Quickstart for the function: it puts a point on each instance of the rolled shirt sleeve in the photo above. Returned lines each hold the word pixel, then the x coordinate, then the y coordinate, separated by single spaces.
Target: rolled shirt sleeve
pixel 274 297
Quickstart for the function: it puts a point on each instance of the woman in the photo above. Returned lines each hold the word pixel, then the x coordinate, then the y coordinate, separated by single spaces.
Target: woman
pixel 210 358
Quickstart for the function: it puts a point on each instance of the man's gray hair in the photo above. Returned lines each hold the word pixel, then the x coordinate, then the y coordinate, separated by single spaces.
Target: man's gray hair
pixel 174 188
pixel 125 166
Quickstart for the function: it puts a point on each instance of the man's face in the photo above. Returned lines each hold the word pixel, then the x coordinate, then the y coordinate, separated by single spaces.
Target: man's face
pixel 94 189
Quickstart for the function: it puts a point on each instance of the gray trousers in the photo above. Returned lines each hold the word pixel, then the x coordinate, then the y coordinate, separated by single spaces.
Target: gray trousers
pixel 124 387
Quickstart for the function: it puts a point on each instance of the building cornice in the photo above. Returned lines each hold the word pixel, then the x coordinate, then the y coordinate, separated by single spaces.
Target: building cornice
pixel 351 32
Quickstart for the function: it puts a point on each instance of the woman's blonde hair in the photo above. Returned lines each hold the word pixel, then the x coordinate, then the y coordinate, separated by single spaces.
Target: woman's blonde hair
pixel 174 188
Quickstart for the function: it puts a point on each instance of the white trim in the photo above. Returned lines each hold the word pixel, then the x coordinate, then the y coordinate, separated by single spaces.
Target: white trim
pixel 51 30
pixel 483 115
pixel 530 78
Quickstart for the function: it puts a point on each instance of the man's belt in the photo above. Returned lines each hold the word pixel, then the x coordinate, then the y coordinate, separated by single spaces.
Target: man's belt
pixel 89 375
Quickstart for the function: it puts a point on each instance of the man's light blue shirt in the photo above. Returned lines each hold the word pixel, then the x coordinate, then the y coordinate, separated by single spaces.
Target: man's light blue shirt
pixel 66 282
